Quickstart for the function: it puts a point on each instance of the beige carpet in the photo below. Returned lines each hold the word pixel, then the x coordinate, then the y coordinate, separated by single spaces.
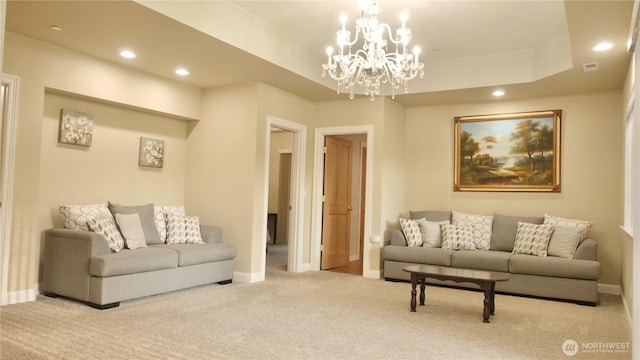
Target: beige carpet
pixel 314 315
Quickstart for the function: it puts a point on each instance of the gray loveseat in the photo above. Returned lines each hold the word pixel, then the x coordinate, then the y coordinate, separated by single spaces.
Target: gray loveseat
pixel 574 279
pixel 80 265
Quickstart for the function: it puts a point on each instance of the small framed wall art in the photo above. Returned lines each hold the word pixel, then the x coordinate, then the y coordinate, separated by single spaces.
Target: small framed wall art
pixel 75 128
pixel 508 152
pixel 151 152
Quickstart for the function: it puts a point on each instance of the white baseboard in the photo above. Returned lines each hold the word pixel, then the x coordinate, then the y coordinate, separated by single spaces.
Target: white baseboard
pixel 354 258
pixel 372 274
pixel 16 297
pixel 304 267
pixel 627 311
pixel 609 289
pixel 247 277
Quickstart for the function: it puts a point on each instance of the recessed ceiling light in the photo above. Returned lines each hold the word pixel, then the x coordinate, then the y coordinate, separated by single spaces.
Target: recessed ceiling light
pixel 603 46
pixel 128 54
pixel 498 93
pixel 182 72
pixel 55 27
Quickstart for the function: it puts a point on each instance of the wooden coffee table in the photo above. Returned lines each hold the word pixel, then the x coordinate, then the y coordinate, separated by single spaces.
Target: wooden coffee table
pixel 485 279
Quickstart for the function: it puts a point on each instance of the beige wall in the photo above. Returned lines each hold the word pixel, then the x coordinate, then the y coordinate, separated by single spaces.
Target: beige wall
pixel 157 103
pixel 592 159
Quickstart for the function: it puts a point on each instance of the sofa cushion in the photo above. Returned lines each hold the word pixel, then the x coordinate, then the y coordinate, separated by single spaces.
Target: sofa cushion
pixel 105 225
pixel 457 237
pixel 183 229
pixel 532 239
pixel 146 219
pixel 430 215
pixel 418 255
pixel 411 231
pixel 75 216
pixel 192 254
pixel 554 267
pixel 481 260
pixel 160 216
pixel 503 234
pixel 133 261
pixel 481 224
pixel 564 242
pixel 431 232
pixel 131 229
pixel 582 225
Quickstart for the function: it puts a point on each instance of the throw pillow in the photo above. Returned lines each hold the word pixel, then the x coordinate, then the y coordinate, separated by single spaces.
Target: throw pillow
pixel 183 229
pixel 532 239
pixel 457 237
pixel 160 215
pixel 430 232
pixel 105 225
pixel 411 231
pixel 564 242
pixel 503 233
pixel 481 225
pixel 145 212
pixel 582 225
pixel 131 229
pixel 75 216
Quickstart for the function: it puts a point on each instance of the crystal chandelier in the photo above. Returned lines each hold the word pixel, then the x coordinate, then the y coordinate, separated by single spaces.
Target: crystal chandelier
pixel 369 67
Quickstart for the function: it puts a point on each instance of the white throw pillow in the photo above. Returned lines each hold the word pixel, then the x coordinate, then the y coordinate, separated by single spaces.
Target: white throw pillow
pixel 183 229
pixel 532 239
pixel 431 233
pixel 457 237
pixel 160 216
pixel 564 242
pixel 411 231
pixel 105 225
pixel 131 229
pixel 481 224
pixel 75 216
pixel 582 225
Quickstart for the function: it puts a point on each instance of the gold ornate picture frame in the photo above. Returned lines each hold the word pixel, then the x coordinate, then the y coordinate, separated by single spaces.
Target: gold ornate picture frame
pixel 508 152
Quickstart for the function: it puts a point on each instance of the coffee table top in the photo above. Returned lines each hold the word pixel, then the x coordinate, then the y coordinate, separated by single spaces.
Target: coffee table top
pixel 457 273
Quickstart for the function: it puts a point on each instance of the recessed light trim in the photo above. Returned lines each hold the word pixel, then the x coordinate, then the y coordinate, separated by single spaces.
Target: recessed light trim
pixel 182 71
pixel 55 27
pixel 498 93
pixel 127 54
pixel 603 46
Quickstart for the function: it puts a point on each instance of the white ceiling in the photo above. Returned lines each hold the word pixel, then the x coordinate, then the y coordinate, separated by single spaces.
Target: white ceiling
pixel 470 47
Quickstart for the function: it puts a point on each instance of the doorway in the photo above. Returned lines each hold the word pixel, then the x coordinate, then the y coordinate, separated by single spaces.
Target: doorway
pixel 356 204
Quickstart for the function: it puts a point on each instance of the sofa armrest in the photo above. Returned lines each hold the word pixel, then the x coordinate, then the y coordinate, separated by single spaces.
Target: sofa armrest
pixel 587 250
pixel 211 234
pixel 397 238
pixel 66 257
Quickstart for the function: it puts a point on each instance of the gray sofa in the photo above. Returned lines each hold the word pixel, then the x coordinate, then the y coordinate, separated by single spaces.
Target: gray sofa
pixel 80 265
pixel 573 279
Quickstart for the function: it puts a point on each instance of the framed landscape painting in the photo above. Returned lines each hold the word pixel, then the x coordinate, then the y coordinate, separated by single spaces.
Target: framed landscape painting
pixel 508 152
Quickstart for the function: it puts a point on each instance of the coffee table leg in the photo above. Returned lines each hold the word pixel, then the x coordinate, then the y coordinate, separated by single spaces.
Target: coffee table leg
pixel 414 283
pixel 422 286
pixel 493 298
pixel 486 287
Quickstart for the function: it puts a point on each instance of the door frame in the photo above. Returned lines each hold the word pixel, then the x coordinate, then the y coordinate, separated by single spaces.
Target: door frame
pixel 318 181
pixel 8 163
pixel 296 196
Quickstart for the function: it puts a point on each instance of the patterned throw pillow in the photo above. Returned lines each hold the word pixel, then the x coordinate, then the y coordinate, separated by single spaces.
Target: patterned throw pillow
pixel 160 214
pixel 481 225
pixel 532 239
pixel 131 229
pixel 75 216
pixel 457 237
pixel 583 226
pixel 430 232
pixel 105 225
pixel 183 229
pixel 411 231
pixel 564 242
